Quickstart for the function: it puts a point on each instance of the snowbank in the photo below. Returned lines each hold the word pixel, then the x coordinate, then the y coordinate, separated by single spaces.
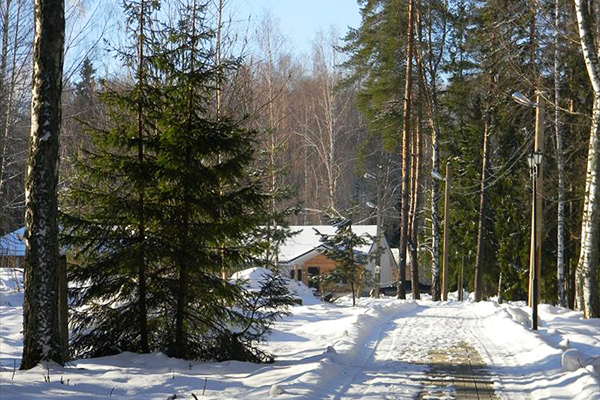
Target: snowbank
pixel 253 277
pixel 552 363
pixel 11 286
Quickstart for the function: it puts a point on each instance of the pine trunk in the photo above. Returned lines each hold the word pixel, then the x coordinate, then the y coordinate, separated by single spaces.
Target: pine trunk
pixel 587 269
pixel 479 260
pixel 404 210
pixel 41 339
pixel 435 223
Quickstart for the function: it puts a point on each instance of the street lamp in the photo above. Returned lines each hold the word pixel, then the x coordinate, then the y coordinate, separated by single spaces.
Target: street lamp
pixel 534 160
pixel 521 99
pixel 445 268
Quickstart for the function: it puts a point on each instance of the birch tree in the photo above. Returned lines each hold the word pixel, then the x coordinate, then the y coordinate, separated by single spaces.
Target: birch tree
pixel 560 164
pixel 15 82
pixel 588 20
pixel 40 308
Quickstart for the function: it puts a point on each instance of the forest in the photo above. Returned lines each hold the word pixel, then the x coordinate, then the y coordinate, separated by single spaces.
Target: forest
pixel 189 142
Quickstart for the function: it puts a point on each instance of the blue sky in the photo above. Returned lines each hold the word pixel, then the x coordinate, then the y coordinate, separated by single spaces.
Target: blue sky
pixel 301 19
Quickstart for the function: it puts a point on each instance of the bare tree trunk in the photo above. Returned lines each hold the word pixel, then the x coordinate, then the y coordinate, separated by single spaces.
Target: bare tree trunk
pixel 3 66
pixel 414 214
pixel 431 107
pixel 479 260
pixel 41 339
pixel 406 152
pixel 5 94
pixel 560 250
pixel 587 268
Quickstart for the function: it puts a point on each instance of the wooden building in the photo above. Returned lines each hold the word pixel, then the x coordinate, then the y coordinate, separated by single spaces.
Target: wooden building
pixel 301 256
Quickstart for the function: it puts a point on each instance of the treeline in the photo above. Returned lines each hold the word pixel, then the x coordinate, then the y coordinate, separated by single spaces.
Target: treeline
pixel 442 74
pixel 321 122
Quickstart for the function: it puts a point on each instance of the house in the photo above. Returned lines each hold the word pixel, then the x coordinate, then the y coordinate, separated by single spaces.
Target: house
pixel 301 256
pixel 12 249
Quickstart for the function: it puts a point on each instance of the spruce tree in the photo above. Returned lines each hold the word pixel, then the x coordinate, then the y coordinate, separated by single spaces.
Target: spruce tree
pixel 107 209
pixel 342 249
pixel 210 202
pixel 165 168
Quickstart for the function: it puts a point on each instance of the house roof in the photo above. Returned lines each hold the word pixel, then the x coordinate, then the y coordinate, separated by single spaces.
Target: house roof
pixel 13 244
pixel 307 239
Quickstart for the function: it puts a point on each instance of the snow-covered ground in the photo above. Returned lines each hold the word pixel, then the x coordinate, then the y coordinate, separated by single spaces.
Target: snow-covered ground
pixel 374 351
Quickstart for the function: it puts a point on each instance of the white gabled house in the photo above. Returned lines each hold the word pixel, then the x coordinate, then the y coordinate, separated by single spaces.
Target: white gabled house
pixel 301 256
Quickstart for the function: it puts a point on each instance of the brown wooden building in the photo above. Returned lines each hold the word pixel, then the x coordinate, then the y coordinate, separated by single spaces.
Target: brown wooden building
pixel 302 256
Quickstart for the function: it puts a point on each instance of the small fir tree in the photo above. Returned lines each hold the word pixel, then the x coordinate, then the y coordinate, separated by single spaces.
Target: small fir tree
pixel 342 249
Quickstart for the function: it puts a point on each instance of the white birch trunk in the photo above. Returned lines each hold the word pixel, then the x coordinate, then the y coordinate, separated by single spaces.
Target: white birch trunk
pixel 587 268
pixel 560 248
pixel 41 339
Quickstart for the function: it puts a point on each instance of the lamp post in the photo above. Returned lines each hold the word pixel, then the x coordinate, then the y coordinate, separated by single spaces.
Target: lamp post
pixel 534 160
pixel 535 254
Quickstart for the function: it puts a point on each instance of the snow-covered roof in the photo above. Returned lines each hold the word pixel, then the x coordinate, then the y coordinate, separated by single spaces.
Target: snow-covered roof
pixel 307 239
pixel 13 244
pixel 396 254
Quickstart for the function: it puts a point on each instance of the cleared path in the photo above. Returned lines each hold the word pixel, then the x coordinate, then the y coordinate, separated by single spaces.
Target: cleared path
pixel 432 352
pixel 459 372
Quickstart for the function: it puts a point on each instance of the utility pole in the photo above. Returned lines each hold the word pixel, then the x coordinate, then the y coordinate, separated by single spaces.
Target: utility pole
pixel 536 223
pixel 446 223
pixel 535 162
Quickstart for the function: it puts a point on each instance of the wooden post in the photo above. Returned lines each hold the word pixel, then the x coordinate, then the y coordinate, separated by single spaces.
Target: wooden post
pixel 445 244
pixel 63 307
pixel 537 246
pixel 295 272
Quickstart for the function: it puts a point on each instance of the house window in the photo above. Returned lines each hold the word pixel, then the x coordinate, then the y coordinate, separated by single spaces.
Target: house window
pixel 299 275
pixel 299 271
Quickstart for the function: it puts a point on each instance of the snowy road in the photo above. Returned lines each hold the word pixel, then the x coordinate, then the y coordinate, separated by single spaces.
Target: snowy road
pixel 396 361
pixel 398 356
pixel 381 349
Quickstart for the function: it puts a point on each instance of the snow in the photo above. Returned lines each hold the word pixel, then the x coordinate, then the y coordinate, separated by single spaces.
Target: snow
pixel 307 239
pixel 376 350
pixel 253 277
